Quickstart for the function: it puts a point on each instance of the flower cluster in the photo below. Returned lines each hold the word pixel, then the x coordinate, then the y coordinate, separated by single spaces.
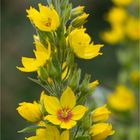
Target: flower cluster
pixel 61 111
pixel 124 34
pixel 123 23
pixel 100 130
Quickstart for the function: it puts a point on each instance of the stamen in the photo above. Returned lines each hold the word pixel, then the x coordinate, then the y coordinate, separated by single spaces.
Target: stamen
pixel 64 115
pixel 48 23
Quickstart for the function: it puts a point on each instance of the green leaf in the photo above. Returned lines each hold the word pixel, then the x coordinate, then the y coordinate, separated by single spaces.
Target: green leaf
pixel 83 138
pixel 31 128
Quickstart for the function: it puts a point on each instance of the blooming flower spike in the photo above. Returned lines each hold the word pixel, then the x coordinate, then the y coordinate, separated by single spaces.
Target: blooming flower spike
pixel 64 112
pixel 42 54
pixel 46 19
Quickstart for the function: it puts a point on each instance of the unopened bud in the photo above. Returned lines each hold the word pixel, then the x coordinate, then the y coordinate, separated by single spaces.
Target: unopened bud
pixel 80 20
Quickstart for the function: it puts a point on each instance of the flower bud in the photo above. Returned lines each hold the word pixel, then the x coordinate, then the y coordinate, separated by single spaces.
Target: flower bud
pixel 100 131
pixel 80 20
pixel 77 11
pixel 93 84
pixel 30 111
pixel 100 114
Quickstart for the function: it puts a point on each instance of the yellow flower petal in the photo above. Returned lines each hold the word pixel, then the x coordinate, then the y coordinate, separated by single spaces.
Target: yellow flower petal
pixel 100 131
pixel 68 99
pixel 29 64
pixel 68 125
pixel 53 119
pixel 78 112
pixel 64 135
pixel 42 55
pixel 89 52
pixel 52 105
pixel 30 111
pixel 35 138
pixel 100 114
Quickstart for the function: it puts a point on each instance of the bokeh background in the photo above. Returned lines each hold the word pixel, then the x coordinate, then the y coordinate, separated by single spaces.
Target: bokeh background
pixel 17 38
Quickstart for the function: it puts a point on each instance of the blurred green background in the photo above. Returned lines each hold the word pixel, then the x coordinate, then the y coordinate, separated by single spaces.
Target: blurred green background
pixel 17 38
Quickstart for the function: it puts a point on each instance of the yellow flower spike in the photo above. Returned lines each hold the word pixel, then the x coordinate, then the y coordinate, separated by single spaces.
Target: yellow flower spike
pixel 122 99
pixel 46 19
pixel 42 54
pixel 50 133
pixel 64 112
pixel 122 2
pixel 30 111
pixel 100 114
pixel 82 47
pixel 93 84
pixel 101 131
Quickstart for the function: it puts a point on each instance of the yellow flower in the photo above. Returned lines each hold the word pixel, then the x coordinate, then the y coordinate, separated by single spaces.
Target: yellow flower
pixel 122 99
pixel 122 2
pixel 117 15
pixel 46 19
pixel 93 84
pixel 64 112
pixel 100 131
pixel 132 28
pixel 50 133
pixel 114 35
pixel 30 111
pixel 81 44
pixel 42 54
pixel 100 114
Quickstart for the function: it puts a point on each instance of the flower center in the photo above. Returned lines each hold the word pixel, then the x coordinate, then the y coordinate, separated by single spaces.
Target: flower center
pixel 64 115
pixel 48 23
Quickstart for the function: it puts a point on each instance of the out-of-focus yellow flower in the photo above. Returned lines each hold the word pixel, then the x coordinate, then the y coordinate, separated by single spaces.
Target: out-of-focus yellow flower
pixel 50 133
pixel 100 131
pixel 122 99
pixel 46 19
pixel 117 15
pixel 122 2
pixel 64 112
pixel 81 44
pixel 42 54
pixel 113 36
pixel 30 111
pixel 135 76
pixel 132 28
pixel 100 114
pixel 93 84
